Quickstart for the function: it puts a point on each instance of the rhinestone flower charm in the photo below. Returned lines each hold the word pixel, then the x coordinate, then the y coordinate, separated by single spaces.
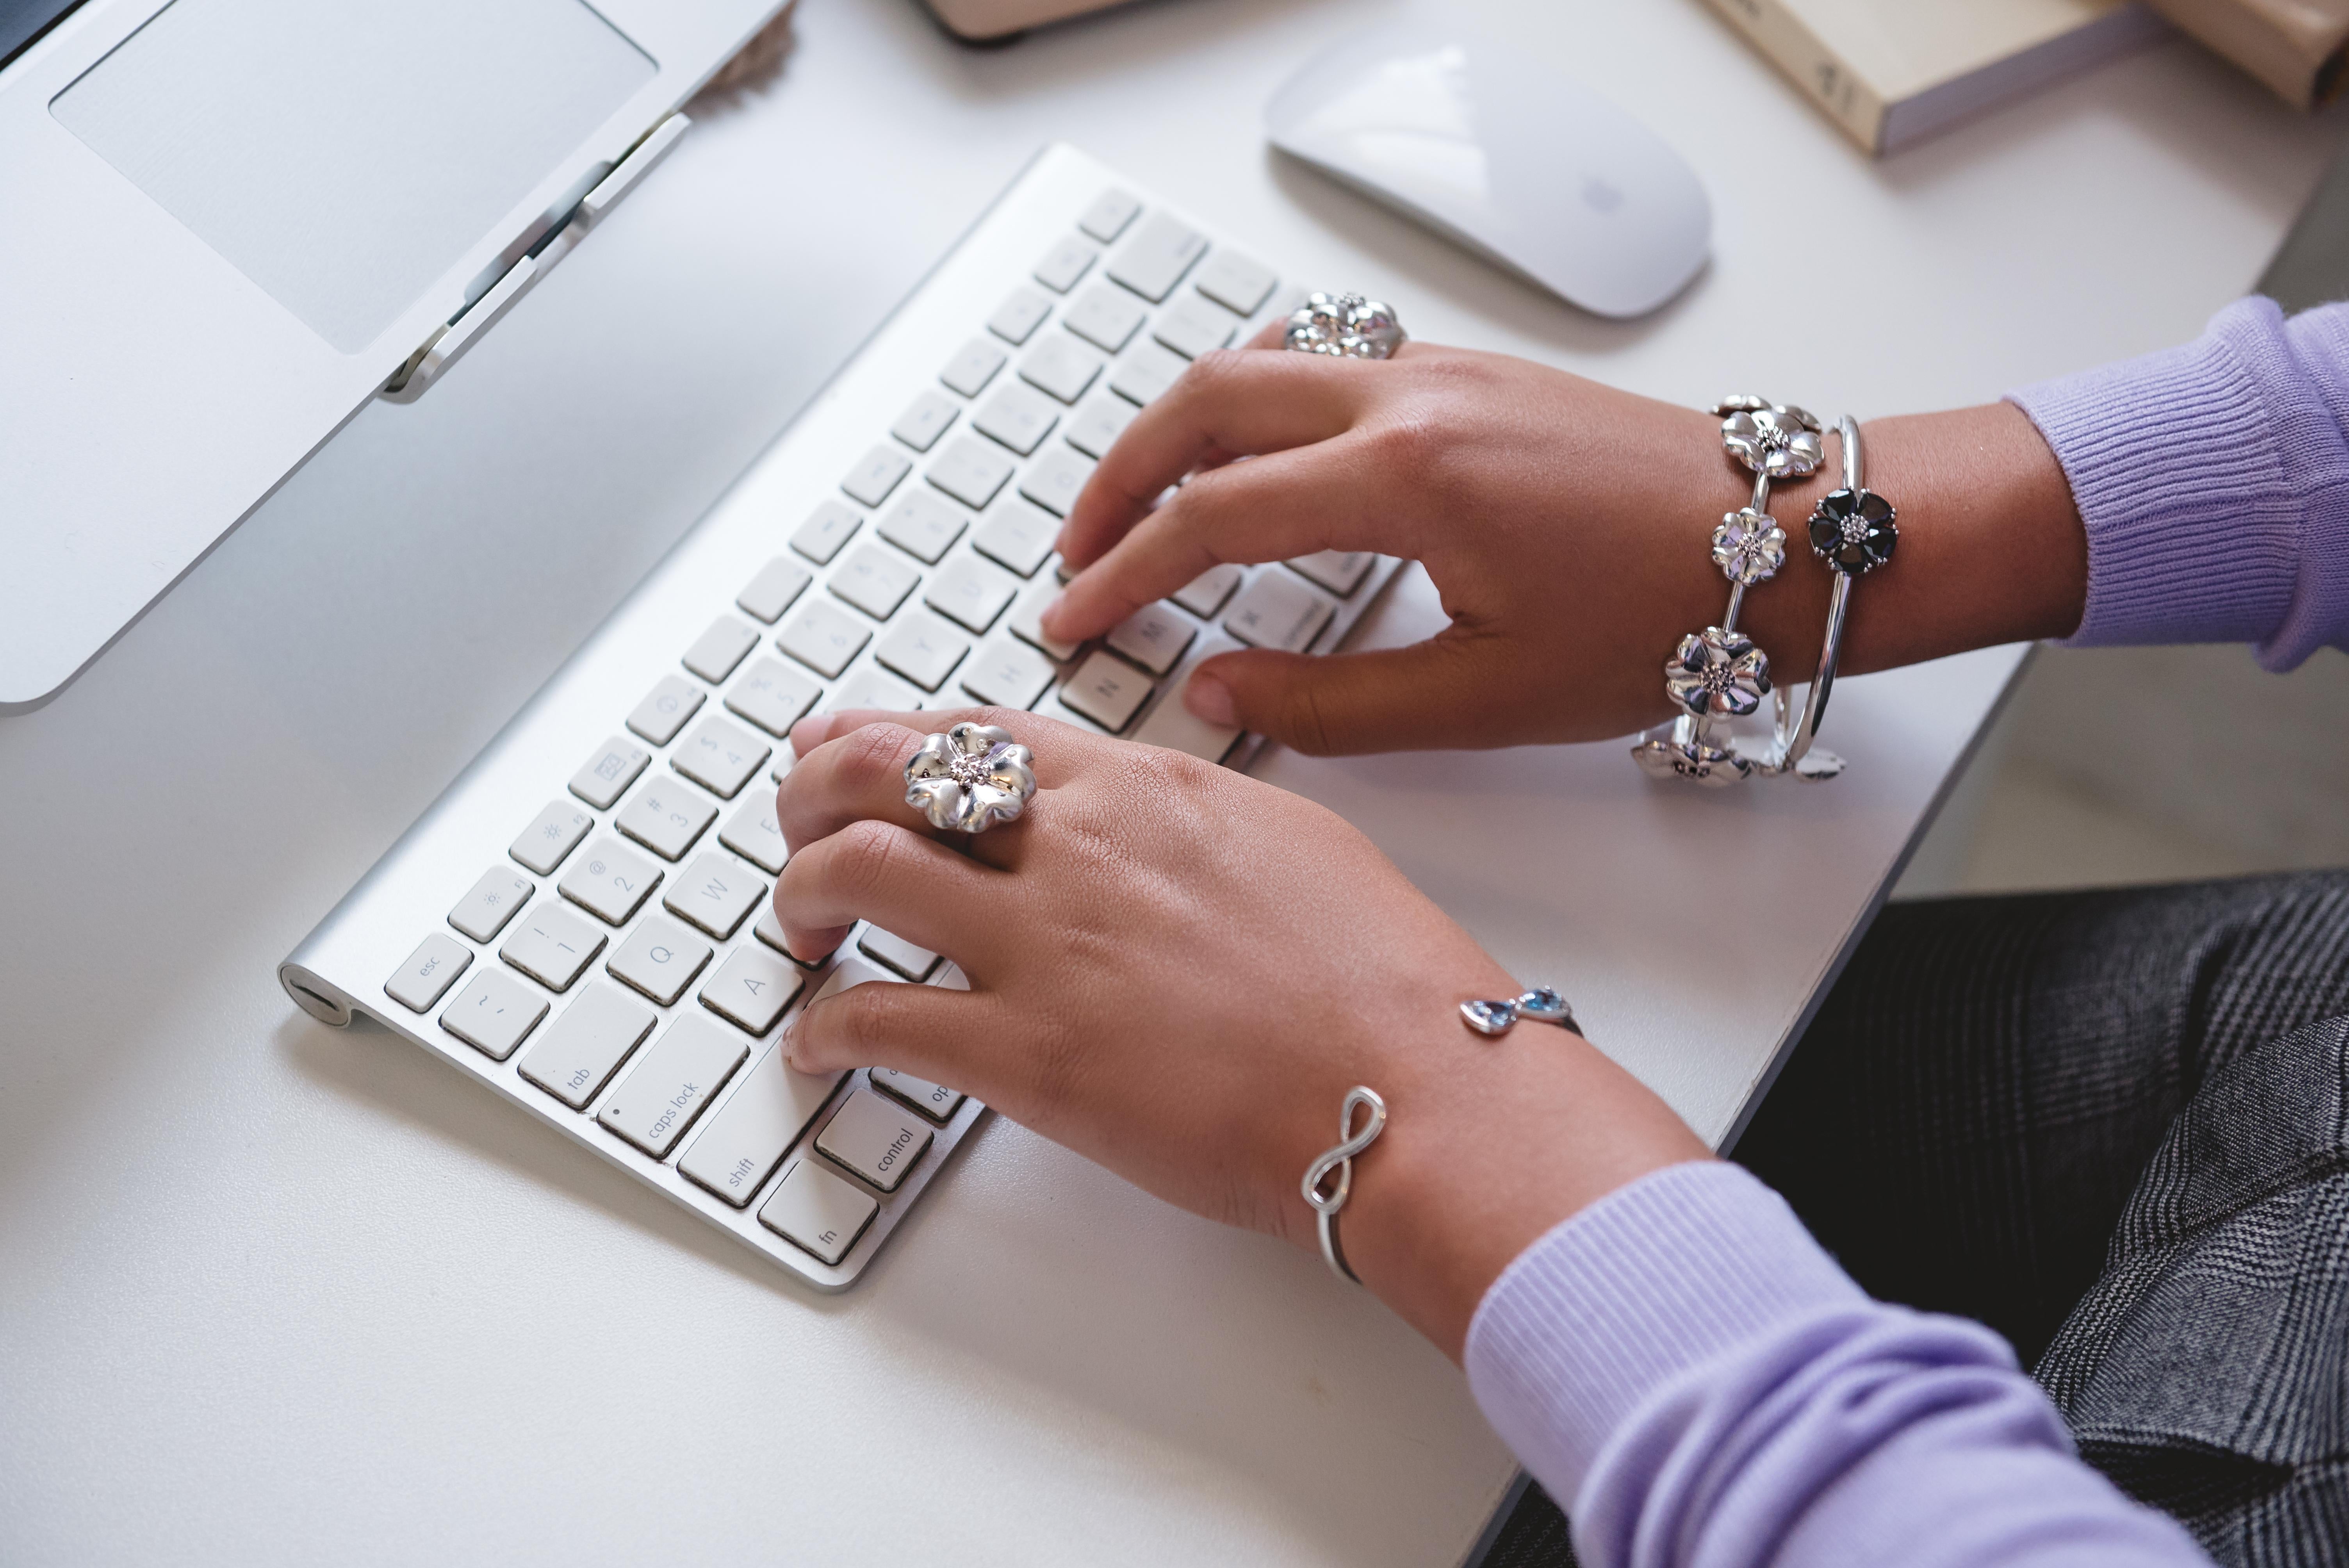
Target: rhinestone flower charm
pixel 1854 531
pixel 1697 762
pixel 1347 326
pixel 969 779
pixel 1781 440
pixel 1717 672
pixel 1749 546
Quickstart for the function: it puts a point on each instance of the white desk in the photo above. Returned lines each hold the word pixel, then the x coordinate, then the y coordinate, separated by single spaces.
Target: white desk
pixel 273 1293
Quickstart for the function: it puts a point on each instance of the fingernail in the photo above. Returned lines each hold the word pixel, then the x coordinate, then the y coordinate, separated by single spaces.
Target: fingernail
pixel 1211 699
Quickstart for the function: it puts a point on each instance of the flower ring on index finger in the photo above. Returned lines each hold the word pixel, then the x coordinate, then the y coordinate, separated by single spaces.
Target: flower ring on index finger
pixel 970 778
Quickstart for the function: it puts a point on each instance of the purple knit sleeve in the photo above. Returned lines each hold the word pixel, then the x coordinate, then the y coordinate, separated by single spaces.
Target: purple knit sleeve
pixel 2214 482
pixel 1697 1383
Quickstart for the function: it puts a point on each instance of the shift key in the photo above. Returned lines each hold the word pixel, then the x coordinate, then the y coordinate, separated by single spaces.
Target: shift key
pixel 672 1083
pixel 743 1143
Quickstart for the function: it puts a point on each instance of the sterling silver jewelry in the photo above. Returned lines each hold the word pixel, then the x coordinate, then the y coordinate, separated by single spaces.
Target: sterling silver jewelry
pixel 1854 531
pixel 1345 325
pixel 1541 1004
pixel 969 779
pixel 1340 1160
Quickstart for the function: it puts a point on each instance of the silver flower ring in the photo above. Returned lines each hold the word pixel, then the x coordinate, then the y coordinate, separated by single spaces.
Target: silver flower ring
pixel 1346 326
pixel 971 778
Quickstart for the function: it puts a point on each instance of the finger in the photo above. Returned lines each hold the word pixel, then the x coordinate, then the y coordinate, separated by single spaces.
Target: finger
pixel 859 777
pixel 903 882
pixel 926 1030
pixel 1449 691
pixel 816 728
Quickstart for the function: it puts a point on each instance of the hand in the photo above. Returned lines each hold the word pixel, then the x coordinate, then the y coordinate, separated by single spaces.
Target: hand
pixel 1567 526
pixel 1179 972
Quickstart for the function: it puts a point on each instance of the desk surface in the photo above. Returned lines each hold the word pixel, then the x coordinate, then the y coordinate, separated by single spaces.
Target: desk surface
pixel 274 1292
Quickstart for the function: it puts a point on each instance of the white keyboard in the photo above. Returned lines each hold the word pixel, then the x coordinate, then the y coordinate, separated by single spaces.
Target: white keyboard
pixel 582 920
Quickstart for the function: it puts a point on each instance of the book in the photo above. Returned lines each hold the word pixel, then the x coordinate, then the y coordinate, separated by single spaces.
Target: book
pixel 1893 72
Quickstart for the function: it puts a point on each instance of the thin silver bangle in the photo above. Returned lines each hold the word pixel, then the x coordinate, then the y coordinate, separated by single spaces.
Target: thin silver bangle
pixel 1854 531
pixel 1340 1160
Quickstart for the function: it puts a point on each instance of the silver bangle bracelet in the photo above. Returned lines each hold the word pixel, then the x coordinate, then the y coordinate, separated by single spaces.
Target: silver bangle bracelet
pixel 1339 1162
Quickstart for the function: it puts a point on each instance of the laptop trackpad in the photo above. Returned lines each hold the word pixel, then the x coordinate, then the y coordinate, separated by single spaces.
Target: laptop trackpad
pixel 343 154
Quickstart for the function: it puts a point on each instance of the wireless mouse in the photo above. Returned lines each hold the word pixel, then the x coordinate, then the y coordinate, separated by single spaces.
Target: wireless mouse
pixel 1506 158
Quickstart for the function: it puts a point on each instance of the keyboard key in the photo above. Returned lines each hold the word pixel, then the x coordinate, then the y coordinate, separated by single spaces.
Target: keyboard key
pixel 672 1082
pixel 824 637
pixel 430 970
pixel 974 368
pixel 1106 219
pixel 871 481
pixel 1177 728
pixel 552 945
pixel 778 584
pixel 925 418
pixel 1019 535
pixel 735 1154
pixel 1339 571
pixel 933 1100
pixel 1017 416
pixel 714 893
pixel 825 531
pixel 922 525
pixel 871 688
pixel 1107 690
pixel 753 833
pixel 1277 610
pixel 484 913
pixel 970 472
pixel 494 1014
pixel 1153 262
pixel 1094 429
pixel 1205 594
pixel 555 834
pixel 1023 619
pixel 817 1212
pixel 1023 310
pixel 923 649
pixel 666 707
pixel 601 777
pixel 667 816
pixel 1053 479
pixel 875 1136
pixel 752 988
pixel 577 1056
pixel 1064 264
pixel 774 696
pixel 1105 316
pixel 717 651
pixel 875 582
pixel 1153 637
pixel 971 591
pixel 661 959
pixel 1233 280
pixel 1007 673
pixel 609 882
pixel 914 962
pixel 1146 372
pixel 720 756
pixel 1193 326
pixel 1063 366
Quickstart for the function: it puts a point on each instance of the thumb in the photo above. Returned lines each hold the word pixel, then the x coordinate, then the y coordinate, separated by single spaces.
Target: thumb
pixel 1435 694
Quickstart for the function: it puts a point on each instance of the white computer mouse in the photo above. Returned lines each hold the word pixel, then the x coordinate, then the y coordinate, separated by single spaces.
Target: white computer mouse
pixel 1506 156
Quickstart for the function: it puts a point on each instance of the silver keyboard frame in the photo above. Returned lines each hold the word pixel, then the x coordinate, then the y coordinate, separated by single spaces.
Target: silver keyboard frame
pixel 340 970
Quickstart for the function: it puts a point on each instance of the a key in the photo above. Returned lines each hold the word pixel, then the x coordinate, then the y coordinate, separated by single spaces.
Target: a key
pixel 1111 212
pixel 601 777
pixel 1176 728
pixel 1153 262
pixel 752 988
pixel 719 756
pixel 825 531
pixel 428 972
pixel 673 1082
pixel 1277 610
pixel 971 592
pixel 552 945
pixel 1194 325
pixel 558 832
pixel 875 582
pixel 925 418
pixel 970 472
pixel 1060 366
pixel 1153 637
pixel 609 882
pixel 666 707
pixel 1023 310
pixel 661 958
pixel 495 1014
pixel 923 649
pixel 772 695
pixel 1018 534
pixel 914 962
pixel 1017 416
pixel 1094 429
pixel 817 1212
pixel 1053 479
pixel 778 584
pixel 1107 690
pixel 922 525
pixel 933 1100
pixel 1006 673
pixel 667 816
pixel 1106 317
pixel 717 651
pixel 581 1050
pixel 824 637
pixel 1025 626
pixel 753 833
pixel 735 1154
pixel 714 893
pixel 1064 264
pixel 484 913
pixel 875 1136
pixel 1147 371
pixel 872 479
pixel 1233 280
pixel 1204 595
pixel 1339 571
pixel 973 367
pixel 870 689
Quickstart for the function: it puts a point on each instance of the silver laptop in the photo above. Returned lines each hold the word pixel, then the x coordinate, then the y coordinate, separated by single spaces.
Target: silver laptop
pixel 226 224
